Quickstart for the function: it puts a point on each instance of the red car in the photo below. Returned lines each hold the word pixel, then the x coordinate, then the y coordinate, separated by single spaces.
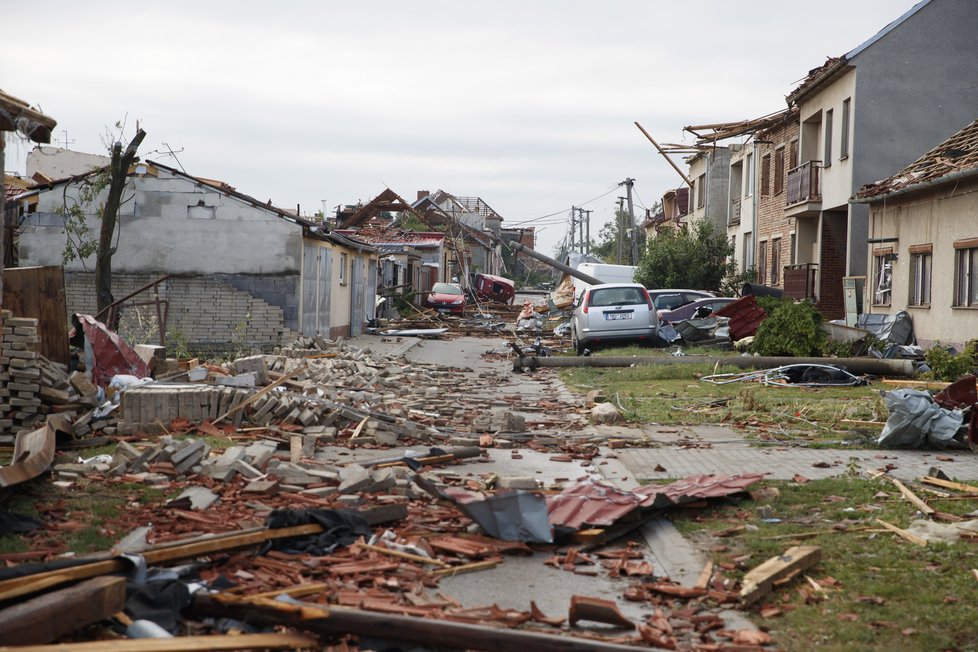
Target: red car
pixel 446 298
pixel 494 288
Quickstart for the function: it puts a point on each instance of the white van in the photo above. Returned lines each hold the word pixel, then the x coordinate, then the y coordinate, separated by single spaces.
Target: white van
pixel 605 274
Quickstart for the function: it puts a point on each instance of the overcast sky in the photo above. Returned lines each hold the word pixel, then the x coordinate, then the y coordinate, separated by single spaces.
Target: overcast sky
pixel 529 105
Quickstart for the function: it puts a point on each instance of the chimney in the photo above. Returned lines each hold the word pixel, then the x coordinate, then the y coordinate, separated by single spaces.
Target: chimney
pixel 422 194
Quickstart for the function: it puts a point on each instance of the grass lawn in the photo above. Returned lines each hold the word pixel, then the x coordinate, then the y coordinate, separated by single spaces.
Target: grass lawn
pixel 675 395
pixel 880 592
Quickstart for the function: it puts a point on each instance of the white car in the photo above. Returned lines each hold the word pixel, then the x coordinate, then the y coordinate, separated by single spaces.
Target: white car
pixel 613 313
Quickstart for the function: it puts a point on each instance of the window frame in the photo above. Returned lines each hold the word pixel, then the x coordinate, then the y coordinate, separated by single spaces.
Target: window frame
pixel 882 258
pixel 701 191
pixel 762 262
pixel 776 261
pixel 749 175
pixel 966 273
pixel 343 262
pixel 779 170
pixel 766 175
pixel 844 129
pixel 827 145
pixel 921 276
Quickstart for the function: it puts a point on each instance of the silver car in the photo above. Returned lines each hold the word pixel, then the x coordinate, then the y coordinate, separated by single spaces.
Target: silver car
pixel 613 313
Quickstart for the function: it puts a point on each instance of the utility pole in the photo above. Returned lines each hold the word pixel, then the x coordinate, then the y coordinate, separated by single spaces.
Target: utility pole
pixel 580 230
pixel 573 229
pixel 619 214
pixel 628 183
pixel 587 226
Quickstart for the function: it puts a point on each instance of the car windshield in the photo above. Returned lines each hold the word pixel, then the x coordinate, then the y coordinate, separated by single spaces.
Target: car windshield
pixel 617 297
pixel 445 288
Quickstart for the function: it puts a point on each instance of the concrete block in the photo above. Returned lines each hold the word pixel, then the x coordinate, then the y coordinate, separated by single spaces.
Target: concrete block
pixel 353 479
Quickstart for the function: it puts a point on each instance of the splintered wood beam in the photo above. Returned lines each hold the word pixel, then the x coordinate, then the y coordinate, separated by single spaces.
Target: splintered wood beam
pixel 759 581
pixel 913 498
pixel 46 618
pixel 185 644
pixel 331 621
pixel 903 534
pixel 948 484
pixel 664 155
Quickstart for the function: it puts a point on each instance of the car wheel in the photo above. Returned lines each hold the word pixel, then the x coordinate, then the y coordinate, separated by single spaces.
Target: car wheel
pixel 578 347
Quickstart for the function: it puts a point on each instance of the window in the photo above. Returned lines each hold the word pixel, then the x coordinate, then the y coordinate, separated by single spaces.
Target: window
pixel 882 276
pixel 793 154
pixel 749 175
pixel 827 154
pixel 343 258
pixel 844 136
pixel 776 261
pixel 762 263
pixel 791 249
pixel 966 273
pixel 748 260
pixel 701 191
pixel 733 247
pixel 765 175
pixel 921 263
pixel 778 170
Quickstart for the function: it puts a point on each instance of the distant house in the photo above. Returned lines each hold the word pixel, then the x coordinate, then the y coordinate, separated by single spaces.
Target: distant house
pixel 409 260
pixel 865 115
pixel 242 270
pixel 472 228
pixel 675 212
pixel 923 241
pixel 709 172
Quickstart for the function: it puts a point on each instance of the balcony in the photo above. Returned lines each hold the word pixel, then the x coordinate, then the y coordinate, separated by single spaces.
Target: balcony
pixel 804 196
pixel 799 281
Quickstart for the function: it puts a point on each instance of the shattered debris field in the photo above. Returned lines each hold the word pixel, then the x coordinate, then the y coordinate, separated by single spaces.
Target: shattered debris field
pixel 398 493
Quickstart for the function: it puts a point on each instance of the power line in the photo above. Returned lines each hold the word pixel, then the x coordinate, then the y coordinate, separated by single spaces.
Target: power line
pixel 564 210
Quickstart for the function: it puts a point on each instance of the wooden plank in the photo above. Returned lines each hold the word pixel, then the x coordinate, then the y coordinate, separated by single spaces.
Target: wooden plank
pixel 33 454
pixel 903 534
pixel 948 484
pixel 913 498
pixel 184 644
pixel 759 581
pixel 705 575
pixel 52 615
pixel 925 384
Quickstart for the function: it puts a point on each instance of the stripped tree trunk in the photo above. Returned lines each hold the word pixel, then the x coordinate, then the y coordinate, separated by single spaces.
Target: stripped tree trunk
pixel 119 173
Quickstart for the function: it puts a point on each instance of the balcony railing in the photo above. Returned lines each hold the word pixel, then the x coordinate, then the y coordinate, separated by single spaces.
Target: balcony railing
pixel 799 281
pixel 804 183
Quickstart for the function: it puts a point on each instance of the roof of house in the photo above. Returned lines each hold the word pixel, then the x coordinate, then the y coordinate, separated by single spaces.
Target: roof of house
pixel 836 66
pixel 955 158
pixel 17 115
pixel 719 131
pixel 388 200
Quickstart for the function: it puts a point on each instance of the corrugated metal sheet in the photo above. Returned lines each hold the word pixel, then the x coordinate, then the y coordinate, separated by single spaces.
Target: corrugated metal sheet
pixel 745 316
pixel 589 503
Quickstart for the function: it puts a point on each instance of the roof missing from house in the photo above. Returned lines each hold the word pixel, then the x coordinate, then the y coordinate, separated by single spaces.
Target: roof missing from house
pixel 953 159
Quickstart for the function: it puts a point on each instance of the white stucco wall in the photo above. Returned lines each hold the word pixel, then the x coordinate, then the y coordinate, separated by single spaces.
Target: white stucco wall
pixel 938 218
pixel 837 177
pixel 174 225
pixel 57 163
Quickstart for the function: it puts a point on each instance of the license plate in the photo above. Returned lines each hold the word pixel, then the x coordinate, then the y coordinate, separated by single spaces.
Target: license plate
pixel 444 310
pixel 612 316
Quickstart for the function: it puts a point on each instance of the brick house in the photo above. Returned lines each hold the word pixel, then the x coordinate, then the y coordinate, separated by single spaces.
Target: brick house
pixel 922 248
pixel 242 271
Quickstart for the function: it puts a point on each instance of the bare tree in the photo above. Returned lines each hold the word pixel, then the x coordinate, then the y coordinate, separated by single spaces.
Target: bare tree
pixel 119 166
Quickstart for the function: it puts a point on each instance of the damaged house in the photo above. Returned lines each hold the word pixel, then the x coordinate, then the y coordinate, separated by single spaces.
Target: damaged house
pixel 472 230
pixel 242 272
pixel 923 227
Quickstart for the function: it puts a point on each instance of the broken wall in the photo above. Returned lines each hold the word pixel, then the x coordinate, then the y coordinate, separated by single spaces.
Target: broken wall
pixel 210 314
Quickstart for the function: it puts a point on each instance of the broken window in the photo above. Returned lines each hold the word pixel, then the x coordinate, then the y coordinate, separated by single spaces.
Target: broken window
pixel 882 276
pixel 966 272
pixel 921 262
pixel 701 191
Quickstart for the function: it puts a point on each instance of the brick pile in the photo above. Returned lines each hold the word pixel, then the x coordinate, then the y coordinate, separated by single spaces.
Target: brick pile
pixel 18 354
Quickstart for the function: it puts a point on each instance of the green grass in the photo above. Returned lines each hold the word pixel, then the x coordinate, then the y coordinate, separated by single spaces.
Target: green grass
pixel 675 395
pixel 928 590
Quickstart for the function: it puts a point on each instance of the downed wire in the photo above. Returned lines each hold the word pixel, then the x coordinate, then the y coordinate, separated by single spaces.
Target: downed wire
pixel 793 375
